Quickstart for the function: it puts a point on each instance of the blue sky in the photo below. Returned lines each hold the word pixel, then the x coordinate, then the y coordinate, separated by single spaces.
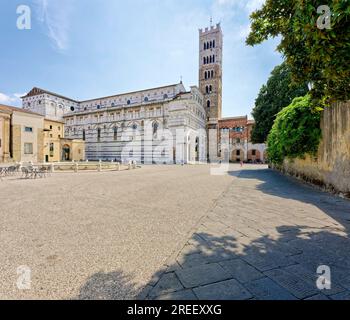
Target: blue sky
pixel 90 48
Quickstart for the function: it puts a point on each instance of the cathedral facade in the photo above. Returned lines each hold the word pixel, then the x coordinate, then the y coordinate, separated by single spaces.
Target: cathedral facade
pixel 160 125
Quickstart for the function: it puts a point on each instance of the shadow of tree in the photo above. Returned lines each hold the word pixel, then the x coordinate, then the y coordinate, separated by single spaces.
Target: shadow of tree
pixel 108 286
pixel 223 261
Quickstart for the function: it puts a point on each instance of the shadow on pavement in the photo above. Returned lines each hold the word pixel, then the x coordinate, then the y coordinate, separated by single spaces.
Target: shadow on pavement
pixel 224 262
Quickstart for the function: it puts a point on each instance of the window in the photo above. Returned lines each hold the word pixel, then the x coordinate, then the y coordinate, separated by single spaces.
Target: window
pixel 205 75
pixel 165 96
pixel 212 74
pixel 210 89
pixel 213 43
pixel 238 140
pixel 204 60
pixel 28 148
pixel 207 89
pixel 28 129
pixel 50 127
pixel 128 102
pixel 254 153
pixel 238 153
pixel 52 150
pixel 72 108
pixel 208 104
pixel 84 135
pixel 205 46
pixel 155 128
pixel 98 134
pixel 115 133
pixel 146 99
pixel 134 127
pixel 213 59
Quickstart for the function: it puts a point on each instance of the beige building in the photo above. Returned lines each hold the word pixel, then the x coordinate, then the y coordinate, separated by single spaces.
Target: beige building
pixel 53 133
pixel 57 148
pixel 5 125
pixel 25 143
pixel 26 136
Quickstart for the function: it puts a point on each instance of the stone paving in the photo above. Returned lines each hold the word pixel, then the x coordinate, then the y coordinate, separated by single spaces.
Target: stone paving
pixel 263 240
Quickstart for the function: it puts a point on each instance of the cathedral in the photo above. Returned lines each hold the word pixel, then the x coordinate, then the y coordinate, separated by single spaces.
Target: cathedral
pixel 160 125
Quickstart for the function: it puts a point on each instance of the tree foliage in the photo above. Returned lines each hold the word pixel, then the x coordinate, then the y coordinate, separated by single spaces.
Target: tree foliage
pixel 320 57
pixel 277 94
pixel 296 131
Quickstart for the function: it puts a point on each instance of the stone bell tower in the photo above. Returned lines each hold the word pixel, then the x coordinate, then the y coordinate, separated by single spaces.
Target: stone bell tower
pixel 210 71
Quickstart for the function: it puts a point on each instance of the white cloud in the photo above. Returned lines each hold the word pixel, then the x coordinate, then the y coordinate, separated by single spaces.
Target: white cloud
pixel 13 99
pixel 55 16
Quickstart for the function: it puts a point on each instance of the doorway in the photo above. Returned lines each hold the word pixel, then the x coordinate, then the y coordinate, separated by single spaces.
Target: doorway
pixel 66 153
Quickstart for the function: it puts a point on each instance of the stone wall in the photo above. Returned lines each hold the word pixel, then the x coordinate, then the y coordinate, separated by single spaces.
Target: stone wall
pixel 331 167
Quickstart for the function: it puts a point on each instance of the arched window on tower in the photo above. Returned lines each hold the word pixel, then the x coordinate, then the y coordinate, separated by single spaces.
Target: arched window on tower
pixel 204 60
pixel 212 74
pixel 213 43
pixel 210 89
pixel 205 75
pixel 213 59
pixel 208 104
pixel 205 46
pixel 207 89
pixel 210 60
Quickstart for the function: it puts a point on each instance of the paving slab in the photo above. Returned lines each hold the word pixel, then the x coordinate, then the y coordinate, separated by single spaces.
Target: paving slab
pixel 266 289
pixel 168 283
pixel 198 276
pixel 241 271
pixel 226 290
pixel 299 287
pixel 179 295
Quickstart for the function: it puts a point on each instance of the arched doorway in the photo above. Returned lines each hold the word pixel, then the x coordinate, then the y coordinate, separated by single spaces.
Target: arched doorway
pixel 197 149
pixel 237 155
pixel 66 152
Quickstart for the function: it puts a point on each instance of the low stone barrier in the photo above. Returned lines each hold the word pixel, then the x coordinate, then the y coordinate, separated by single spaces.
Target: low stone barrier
pixel 75 166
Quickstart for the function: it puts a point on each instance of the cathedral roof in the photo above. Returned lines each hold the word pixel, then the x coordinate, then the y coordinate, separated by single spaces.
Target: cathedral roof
pixel 38 91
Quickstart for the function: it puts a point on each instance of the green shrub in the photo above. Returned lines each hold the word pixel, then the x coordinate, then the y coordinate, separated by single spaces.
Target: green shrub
pixel 296 131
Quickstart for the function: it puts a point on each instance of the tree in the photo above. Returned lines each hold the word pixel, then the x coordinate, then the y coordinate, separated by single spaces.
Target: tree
pixel 296 131
pixel 314 55
pixel 277 94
